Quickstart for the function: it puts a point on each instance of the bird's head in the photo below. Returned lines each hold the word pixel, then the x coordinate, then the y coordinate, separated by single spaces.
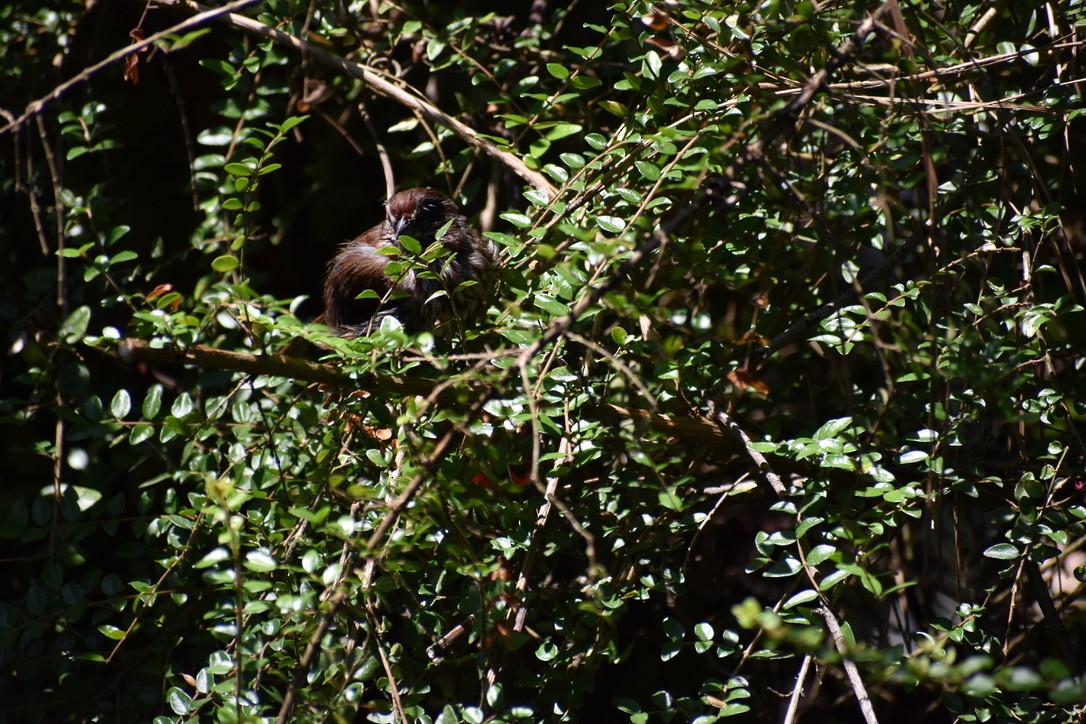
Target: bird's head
pixel 419 213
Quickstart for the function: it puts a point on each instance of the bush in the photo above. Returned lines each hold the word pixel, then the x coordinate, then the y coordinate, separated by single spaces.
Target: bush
pixel 777 410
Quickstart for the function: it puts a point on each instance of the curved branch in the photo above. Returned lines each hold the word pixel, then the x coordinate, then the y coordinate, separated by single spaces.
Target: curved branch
pixel 382 86
pixel 36 107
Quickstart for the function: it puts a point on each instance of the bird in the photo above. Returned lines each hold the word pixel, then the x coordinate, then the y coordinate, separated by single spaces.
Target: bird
pixel 427 289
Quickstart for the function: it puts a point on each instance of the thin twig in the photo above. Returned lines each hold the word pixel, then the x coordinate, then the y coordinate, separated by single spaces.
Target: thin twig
pixel 851 671
pixel 371 615
pixel 62 310
pixel 382 152
pixel 311 650
pixel 797 691
pixel 771 477
pixel 276 365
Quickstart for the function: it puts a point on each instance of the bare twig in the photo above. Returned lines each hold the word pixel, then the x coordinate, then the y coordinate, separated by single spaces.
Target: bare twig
pixel 851 671
pixel 62 311
pixel 312 648
pixel 1050 617
pixel 437 650
pixel 832 625
pixel 797 691
pixel 382 152
pixel 371 615
pixel 771 477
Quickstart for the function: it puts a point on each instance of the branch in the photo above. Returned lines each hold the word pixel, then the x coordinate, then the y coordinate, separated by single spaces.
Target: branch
pixel 722 189
pixel 756 457
pixel 279 365
pixel 275 365
pixel 382 86
pixel 941 74
pixel 797 691
pixel 851 671
pixel 690 429
pixel 832 625
pixel 36 107
pixel 312 648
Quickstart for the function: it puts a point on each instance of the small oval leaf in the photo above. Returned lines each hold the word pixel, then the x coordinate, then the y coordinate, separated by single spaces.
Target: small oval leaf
pixel 1002 552
pixel 225 263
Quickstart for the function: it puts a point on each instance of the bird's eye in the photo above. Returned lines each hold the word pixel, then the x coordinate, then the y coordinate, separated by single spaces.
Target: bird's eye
pixel 428 209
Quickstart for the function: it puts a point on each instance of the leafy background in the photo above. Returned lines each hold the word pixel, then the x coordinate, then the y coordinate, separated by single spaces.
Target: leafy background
pixel 655 483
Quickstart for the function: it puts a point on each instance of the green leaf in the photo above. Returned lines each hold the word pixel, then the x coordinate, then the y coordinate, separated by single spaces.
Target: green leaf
pixel 152 402
pixel 141 433
pixel 912 456
pixel 225 263
pixel 805 596
pixel 669 500
pixel 549 304
pixel 519 220
pixel 557 173
pixel 238 169
pixel 647 170
pixel 615 108
pixel 121 404
pixel 611 224
pixel 562 130
pixel 179 701
pixel 74 328
pixel 260 561
pixel 832 428
pixel 820 553
pixel 117 233
pixel 1002 552
pixel 573 160
pixel 585 82
pixel 596 141
pixel 558 71
pixel 182 406
pixel 410 244
pixel 433 49
pixel 502 239
pixel 291 123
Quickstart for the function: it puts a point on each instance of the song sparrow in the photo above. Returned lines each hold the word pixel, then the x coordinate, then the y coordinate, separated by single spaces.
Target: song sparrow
pixel 454 283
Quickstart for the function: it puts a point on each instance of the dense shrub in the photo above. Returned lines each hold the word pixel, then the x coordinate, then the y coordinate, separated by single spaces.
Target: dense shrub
pixel 776 413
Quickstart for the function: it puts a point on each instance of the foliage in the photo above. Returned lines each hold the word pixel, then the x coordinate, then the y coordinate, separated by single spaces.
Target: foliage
pixel 654 481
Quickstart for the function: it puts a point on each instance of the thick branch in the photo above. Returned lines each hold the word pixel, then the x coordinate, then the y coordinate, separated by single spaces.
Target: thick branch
pixel 275 365
pixel 687 429
pixel 278 365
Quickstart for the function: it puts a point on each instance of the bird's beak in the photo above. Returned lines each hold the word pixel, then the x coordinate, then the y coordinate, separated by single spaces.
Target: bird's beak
pixel 398 226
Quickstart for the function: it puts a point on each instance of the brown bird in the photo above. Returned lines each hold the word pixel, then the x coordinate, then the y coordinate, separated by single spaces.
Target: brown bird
pixel 454 284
